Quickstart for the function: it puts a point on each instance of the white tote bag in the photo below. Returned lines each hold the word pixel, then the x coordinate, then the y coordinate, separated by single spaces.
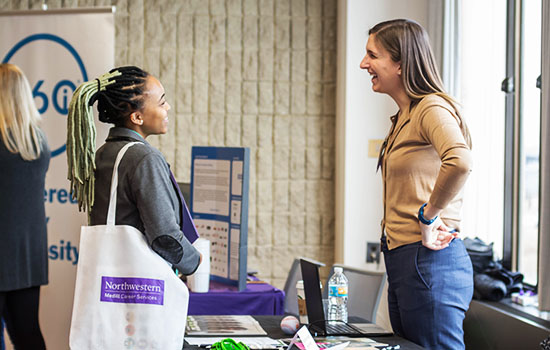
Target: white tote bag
pixel 126 295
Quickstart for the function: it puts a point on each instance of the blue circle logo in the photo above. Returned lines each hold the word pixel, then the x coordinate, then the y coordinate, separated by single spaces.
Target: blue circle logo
pixel 59 97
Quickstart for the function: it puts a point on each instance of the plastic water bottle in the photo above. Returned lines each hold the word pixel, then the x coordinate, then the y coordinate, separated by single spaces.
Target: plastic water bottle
pixel 338 296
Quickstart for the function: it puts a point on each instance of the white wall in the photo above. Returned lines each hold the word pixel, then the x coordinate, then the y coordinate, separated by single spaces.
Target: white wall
pixel 361 115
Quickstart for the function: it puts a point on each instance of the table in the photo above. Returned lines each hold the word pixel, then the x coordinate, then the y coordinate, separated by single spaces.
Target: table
pixel 271 324
pixel 258 298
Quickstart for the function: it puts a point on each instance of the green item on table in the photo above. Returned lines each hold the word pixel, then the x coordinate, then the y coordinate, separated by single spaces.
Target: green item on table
pixel 229 344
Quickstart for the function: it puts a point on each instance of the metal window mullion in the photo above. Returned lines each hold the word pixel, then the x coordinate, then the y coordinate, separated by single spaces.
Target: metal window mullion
pixel 517 145
pixel 511 138
pixel 544 189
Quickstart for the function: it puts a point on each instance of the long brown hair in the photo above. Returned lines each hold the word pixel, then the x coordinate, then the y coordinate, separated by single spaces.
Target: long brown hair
pixel 408 43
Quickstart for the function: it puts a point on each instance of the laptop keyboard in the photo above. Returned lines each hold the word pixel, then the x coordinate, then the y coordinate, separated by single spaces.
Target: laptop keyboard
pixel 338 328
pixel 341 328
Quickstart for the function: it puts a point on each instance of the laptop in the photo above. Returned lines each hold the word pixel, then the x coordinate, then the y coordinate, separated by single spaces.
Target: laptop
pixel 318 325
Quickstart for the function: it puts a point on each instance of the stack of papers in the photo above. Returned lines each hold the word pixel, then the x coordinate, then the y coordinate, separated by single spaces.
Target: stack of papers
pixel 223 326
pixel 335 343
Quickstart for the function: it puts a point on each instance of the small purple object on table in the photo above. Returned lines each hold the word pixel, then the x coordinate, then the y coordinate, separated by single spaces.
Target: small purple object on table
pixel 223 299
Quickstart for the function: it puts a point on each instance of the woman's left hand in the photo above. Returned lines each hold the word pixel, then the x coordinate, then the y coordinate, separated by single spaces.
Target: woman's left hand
pixel 436 236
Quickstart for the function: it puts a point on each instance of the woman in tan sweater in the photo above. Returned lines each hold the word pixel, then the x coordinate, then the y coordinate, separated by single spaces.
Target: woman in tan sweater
pixel 425 161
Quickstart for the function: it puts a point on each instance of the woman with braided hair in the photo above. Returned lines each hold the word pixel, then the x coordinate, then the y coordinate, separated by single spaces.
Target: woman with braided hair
pixel 25 158
pixel 147 195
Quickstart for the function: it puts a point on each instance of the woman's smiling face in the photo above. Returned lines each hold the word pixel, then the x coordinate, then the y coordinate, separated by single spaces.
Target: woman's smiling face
pixel 386 73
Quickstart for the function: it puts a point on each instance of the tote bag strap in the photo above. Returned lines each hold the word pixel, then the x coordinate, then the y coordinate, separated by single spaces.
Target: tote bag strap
pixel 111 213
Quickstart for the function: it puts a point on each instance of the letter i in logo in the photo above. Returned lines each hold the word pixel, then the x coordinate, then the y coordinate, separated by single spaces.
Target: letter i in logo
pixel 65 97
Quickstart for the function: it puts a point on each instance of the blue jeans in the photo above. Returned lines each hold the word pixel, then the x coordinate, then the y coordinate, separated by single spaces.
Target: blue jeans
pixel 429 293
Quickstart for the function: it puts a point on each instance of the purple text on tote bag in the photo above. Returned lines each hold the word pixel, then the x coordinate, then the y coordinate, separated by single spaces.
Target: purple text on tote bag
pixel 132 290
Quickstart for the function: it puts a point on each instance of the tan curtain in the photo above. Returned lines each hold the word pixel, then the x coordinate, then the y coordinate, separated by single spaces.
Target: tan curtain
pixel 544 255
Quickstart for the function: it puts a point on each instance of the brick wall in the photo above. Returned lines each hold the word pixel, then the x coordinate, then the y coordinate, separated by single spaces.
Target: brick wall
pixel 253 73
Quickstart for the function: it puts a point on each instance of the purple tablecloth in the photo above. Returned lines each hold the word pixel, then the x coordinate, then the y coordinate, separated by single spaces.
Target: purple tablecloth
pixel 221 299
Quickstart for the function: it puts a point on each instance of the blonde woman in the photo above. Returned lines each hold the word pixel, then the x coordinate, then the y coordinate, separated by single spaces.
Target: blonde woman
pixel 425 161
pixel 24 159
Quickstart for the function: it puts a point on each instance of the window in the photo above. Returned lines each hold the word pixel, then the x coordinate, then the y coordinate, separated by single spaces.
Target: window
pixel 529 140
pixel 500 60
pixel 483 66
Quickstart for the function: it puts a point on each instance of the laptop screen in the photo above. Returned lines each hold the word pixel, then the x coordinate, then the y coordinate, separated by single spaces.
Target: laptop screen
pixel 312 289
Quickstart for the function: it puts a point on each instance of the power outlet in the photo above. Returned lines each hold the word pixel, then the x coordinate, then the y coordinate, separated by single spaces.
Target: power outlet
pixel 373 252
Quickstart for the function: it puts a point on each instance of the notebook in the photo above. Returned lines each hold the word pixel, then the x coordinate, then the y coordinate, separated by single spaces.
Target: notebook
pixel 316 316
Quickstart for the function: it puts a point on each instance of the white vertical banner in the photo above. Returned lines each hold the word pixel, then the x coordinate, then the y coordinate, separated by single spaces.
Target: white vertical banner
pixel 58 50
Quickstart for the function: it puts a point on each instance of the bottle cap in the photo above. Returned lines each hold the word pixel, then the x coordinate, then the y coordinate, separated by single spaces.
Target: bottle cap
pixel 338 269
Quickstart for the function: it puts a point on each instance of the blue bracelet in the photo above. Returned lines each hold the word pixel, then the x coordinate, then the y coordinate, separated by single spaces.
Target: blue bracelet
pixel 422 218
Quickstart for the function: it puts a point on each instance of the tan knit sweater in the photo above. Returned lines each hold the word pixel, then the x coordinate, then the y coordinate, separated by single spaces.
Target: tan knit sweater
pixel 426 159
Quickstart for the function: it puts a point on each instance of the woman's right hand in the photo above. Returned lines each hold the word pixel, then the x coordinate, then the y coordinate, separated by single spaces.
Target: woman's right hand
pixel 436 236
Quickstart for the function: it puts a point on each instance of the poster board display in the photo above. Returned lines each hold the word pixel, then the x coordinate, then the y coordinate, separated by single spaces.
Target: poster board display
pixel 58 50
pixel 219 207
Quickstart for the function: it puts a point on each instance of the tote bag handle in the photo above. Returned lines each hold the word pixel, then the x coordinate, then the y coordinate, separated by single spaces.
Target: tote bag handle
pixel 111 213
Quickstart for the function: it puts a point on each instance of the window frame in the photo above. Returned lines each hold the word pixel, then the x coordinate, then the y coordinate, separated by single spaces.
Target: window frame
pixel 511 86
pixel 510 158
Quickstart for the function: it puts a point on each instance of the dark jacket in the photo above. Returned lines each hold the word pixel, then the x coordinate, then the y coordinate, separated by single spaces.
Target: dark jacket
pixel 23 232
pixel 146 197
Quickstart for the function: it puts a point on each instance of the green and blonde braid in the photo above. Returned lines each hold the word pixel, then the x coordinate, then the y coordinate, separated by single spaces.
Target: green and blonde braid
pixel 81 135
